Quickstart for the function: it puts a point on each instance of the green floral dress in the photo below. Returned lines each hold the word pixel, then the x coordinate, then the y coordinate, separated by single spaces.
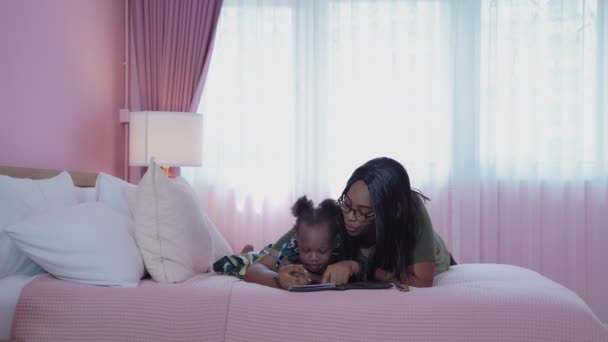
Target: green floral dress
pixel 237 264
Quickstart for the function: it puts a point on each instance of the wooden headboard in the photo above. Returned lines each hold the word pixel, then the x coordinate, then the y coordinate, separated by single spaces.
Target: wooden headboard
pixel 81 179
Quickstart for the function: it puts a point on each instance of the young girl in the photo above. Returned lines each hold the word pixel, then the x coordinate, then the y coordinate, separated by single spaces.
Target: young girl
pixel 299 259
pixel 314 243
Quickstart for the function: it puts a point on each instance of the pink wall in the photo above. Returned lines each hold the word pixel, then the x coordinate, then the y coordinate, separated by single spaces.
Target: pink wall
pixel 61 84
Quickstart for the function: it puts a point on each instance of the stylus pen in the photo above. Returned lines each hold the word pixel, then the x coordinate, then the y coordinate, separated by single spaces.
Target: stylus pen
pixel 281 262
pixel 401 287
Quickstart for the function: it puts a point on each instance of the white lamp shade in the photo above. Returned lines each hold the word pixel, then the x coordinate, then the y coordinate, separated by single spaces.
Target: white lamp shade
pixel 171 138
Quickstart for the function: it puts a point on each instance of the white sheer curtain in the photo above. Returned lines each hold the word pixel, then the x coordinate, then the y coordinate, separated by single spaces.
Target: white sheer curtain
pixel 498 109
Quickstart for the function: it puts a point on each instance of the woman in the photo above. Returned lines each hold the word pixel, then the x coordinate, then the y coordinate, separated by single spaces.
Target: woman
pixel 387 234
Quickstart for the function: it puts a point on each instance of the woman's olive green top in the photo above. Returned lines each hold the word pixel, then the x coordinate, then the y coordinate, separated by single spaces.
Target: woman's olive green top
pixel 430 247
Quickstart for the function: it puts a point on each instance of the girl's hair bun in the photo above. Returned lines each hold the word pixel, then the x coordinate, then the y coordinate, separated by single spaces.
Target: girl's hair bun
pixel 330 206
pixel 302 205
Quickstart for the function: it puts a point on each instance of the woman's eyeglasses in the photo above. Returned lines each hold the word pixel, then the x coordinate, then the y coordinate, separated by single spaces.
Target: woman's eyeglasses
pixel 359 216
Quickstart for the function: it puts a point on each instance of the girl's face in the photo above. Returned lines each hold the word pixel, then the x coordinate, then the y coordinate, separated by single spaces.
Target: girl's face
pixel 357 209
pixel 314 246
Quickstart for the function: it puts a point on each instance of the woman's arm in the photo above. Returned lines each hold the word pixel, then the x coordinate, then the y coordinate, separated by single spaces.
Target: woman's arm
pixel 421 275
pixel 422 270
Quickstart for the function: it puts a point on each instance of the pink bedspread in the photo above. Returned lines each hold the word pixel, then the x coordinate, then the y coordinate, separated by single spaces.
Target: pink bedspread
pixel 478 302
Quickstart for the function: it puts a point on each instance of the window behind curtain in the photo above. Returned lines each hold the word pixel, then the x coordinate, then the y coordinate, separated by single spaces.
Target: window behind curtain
pixel 299 93
pixel 248 104
pixel 296 103
pixel 540 78
pixel 388 87
pixel 497 109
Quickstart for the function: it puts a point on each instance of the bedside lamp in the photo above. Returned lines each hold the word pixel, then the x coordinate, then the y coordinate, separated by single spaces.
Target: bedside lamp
pixel 171 138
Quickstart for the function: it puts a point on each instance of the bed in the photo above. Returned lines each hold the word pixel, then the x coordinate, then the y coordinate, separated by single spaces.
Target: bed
pixel 470 302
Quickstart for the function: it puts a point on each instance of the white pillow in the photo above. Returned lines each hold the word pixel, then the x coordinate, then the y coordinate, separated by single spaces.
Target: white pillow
pixel 84 195
pixel 130 195
pixel 22 198
pixel 88 243
pixel 111 192
pixel 220 247
pixel 170 228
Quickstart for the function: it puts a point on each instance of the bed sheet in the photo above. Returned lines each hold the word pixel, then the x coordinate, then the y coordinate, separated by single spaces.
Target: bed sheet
pixel 470 302
pixel 10 288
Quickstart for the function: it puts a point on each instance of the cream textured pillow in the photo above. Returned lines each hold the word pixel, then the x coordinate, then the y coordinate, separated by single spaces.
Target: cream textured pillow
pixel 170 228
pixel 221 247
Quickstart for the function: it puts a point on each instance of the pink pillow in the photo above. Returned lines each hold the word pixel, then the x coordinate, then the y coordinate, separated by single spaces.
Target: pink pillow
pixel 170 228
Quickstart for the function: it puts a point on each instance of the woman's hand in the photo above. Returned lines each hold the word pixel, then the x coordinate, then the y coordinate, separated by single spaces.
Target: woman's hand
pixel 340 272
pixel 292 275
pixel 420 275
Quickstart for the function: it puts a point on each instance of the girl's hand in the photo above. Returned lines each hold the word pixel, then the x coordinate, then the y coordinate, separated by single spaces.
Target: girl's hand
pixel 340 272
pixel 292 275
pixel 383 276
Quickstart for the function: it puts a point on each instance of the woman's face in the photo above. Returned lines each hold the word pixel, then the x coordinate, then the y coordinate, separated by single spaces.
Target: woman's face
pixel 357 210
